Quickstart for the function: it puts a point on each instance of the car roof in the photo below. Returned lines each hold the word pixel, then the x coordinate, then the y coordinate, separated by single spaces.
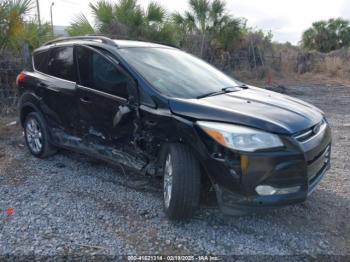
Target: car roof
pixel 103 42
pixel 132 43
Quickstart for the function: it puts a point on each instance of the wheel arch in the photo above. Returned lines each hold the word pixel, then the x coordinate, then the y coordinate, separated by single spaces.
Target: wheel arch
pixel 186 134
pixel 206 179
pixel 25 109
pixel 28 102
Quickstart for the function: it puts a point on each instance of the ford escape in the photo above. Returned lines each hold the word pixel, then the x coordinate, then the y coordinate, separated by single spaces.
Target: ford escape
pixel 166 113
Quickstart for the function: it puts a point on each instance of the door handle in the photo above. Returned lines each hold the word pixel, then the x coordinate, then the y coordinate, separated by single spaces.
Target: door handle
pixel 85 100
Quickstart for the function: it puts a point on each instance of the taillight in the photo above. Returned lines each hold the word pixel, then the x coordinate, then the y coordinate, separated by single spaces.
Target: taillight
pixel 20 78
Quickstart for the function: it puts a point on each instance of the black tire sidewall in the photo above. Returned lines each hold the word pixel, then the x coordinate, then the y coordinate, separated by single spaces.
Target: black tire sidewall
pixel 42 125
pixel 181 192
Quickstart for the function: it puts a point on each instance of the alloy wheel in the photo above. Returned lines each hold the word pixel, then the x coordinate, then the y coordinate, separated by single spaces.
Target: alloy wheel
pixel 168 180
pixel 34 135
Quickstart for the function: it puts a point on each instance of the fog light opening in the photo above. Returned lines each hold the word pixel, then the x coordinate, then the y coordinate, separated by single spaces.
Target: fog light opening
pixel 265 190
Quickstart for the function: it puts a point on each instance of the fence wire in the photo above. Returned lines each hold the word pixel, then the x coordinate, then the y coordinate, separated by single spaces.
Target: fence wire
pixel 10 67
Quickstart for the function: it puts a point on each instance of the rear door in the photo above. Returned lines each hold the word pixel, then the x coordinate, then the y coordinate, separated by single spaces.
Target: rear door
pixel 58 90
pixel 103 96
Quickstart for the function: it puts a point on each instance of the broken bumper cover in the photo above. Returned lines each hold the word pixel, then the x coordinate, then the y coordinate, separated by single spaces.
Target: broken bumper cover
pixel 290 175
pixel 232 203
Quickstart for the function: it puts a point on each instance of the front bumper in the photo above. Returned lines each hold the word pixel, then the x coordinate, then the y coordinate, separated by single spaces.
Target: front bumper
pixel 236 175
pixel 232 203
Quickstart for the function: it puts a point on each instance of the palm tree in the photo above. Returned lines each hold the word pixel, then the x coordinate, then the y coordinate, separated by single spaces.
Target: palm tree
pixel 326 36
pixel 207 17
pixel 80 26
pixel 16 28
pixel 12 23
pixel 126 19
pixel 129 13
pixel 34 34
pixel 155 13
pixel 200 17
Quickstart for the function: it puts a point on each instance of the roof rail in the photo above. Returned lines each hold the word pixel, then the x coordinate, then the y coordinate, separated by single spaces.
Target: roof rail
pixel 104 39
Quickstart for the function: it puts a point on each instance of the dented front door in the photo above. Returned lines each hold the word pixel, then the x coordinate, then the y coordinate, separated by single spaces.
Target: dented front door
pixel 103 97
pixel 103 115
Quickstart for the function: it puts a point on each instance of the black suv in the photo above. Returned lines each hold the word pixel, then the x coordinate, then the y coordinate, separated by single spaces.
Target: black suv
pixel 166 113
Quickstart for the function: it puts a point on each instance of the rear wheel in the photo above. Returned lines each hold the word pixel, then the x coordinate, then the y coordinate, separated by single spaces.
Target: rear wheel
pixel 181 182
pixel 37 136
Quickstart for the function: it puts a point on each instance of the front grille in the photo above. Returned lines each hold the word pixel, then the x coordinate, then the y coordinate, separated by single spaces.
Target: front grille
pixel 311 132
pixel 305 136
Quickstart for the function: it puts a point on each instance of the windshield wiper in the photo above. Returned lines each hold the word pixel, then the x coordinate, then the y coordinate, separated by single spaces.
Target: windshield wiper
pixel 211 94
pixel 224 91
pixel 239 87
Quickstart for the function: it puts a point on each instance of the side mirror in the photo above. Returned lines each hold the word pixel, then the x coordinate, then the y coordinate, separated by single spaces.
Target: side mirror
pixel 122 114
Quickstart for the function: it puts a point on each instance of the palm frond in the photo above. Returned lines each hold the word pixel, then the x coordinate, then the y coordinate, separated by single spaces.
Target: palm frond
pixel 80 26
pixel 12 13
pixel 200 10
pixel 129 13
pixel 177 19
pixel 102 11
pixel 21 7
pixel 35 35
pixel 190 21
pixel 126 5
pixel 155 12
pixel 217 8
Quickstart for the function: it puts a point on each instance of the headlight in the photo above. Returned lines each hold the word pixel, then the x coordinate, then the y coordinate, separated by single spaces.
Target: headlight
pixel 240 137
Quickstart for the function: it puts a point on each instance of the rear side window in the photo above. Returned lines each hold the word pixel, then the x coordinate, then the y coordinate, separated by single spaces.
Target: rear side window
pixel 40 61
pixel 61 63
pixel 98 73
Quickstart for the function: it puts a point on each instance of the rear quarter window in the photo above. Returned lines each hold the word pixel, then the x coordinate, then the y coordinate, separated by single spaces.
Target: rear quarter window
pixel 61 63
pixel 40 61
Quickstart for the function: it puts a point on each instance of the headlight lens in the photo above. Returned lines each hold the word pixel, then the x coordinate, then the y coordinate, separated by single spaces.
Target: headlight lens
pixel 239 137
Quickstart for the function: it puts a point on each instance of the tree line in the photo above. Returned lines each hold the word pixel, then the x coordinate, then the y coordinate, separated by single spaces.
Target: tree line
pixel 206 24
pixel 327 35
pixel 208 19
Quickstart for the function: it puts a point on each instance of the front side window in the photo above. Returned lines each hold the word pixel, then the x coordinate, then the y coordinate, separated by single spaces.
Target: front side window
pixel 61 63
pixel 40 61
pixel 176 73
pixel 98 73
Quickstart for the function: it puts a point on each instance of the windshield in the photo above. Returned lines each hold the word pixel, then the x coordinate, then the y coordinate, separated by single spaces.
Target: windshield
pixel 175 73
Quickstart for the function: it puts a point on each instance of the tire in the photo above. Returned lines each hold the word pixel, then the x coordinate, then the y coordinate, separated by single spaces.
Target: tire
pixel 181 171
pixel 37 136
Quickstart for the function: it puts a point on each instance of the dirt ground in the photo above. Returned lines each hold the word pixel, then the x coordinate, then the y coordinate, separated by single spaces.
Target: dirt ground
pixel 70 204
pixel 291 79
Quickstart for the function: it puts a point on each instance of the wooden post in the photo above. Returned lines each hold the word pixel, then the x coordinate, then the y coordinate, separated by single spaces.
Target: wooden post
pixel 38 10
pixel 202 44
pixel 261 58
pixel 253 50
pixel 25 54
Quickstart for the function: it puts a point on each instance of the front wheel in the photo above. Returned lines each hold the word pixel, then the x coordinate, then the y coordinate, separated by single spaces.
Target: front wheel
pixel 181 182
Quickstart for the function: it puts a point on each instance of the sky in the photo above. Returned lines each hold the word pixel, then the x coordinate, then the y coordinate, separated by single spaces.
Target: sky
pixel 286 19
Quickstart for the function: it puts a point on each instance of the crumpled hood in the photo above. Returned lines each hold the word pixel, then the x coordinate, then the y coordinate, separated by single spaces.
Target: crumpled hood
pixel 254 107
